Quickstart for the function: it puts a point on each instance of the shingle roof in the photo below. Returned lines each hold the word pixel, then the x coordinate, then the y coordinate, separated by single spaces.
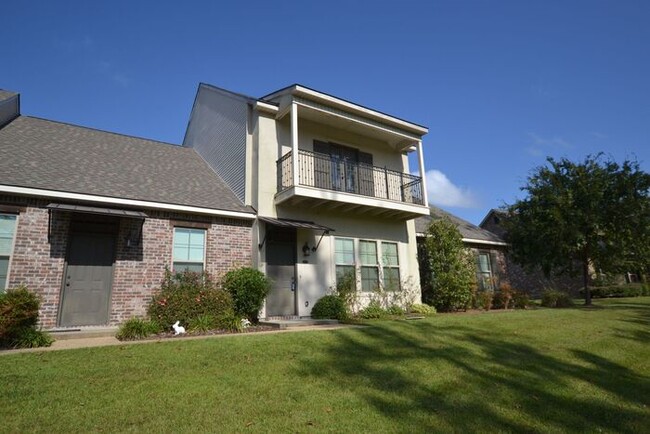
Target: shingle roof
pixel 39 153
pixel 466 229
pixel 5 94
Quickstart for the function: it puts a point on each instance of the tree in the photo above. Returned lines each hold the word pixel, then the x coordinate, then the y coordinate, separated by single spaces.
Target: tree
pixel 595 213
pixel 448 268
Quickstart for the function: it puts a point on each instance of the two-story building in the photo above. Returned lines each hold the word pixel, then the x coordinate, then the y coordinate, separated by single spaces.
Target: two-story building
pixel 330 182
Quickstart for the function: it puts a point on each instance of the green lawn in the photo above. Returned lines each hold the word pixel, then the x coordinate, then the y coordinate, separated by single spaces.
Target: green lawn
pixel 577 370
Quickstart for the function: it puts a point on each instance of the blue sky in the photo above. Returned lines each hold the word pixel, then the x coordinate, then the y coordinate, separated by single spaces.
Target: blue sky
pixel 500 84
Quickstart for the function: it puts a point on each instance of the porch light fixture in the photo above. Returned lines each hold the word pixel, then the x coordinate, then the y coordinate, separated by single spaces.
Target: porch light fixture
pixel 306 250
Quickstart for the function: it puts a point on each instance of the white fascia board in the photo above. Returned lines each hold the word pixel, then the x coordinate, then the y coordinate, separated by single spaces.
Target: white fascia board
pixel 308 93
pixel 491 243
pixel 266 107
pixel 54 194
pixel 361 122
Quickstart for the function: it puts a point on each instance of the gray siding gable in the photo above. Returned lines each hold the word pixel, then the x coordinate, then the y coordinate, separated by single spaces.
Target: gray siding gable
pixel 217 131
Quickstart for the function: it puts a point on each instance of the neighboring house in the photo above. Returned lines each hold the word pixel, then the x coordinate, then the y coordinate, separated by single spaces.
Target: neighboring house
pixel 489 249
pixel 331 184
pixel 90 220
pixel 531 282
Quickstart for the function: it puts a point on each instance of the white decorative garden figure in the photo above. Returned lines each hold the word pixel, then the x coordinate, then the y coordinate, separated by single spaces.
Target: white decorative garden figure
pixel 178 330
pixel 245 323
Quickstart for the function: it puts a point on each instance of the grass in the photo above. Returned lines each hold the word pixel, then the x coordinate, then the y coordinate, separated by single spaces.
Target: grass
pixel 561 370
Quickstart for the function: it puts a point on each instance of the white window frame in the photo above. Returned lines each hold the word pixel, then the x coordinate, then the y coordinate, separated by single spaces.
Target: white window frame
pixel 482 274
pixel 391 267
pixel 11 250
pixel 358 265
pixel 205 249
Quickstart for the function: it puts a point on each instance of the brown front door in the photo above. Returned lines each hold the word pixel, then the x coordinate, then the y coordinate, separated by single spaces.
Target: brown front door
pixel 89 275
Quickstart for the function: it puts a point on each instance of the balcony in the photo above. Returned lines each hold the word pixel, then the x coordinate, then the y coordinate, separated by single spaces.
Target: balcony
pixel 333 183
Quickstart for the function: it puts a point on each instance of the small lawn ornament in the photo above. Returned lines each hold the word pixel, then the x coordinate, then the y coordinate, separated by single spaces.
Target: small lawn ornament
pixel 245 323
pixel 178 330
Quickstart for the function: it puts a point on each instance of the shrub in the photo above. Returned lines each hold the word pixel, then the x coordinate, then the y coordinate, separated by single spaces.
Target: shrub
pixel 137 328
pixel 422 309
pixel 628 290
pixel 329 307
pixel 520 300
pixel 373 311
pixel 554 298
pixel 248 288
pixel 484 299
pixel 448 268
pixel 203 323
pixel 394 310
pixel 346 290
pixel 18 319
pixel 31 338
pixel 503 297
pixel 186 296
pixel 230 321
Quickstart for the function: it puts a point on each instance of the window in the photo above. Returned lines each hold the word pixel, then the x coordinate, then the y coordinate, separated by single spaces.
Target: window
pixel 369 265
pixel 485 280
pixel 7 232
pixel 344 258
pixel 189 249
pixel 373 273
pixel 390 262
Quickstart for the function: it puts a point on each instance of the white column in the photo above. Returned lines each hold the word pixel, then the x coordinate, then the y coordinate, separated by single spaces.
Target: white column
pixel 422 173
pixel 294 144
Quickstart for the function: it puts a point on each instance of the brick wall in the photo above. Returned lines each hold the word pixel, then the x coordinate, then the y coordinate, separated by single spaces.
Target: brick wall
pixel 138 269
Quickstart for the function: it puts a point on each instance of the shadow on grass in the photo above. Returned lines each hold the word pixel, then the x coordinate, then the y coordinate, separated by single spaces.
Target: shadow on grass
pixel 428 377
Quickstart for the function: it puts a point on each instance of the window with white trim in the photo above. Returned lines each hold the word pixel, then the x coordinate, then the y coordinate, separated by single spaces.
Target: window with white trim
pixel 344 257
pixel 7 233
pixel 484 268
pixel 373 273
pixel 390 266
pixel 189 249
pixel 369 265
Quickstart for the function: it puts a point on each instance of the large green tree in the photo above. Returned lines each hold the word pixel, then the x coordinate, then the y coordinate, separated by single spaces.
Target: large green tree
pixel 576 215
pixel 448 269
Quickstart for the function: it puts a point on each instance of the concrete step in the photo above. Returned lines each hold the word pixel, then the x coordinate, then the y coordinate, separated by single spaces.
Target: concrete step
pixel 82 332
pixel 286 324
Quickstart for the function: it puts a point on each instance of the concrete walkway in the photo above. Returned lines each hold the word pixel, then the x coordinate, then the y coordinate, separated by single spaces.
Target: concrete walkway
pixel 105 341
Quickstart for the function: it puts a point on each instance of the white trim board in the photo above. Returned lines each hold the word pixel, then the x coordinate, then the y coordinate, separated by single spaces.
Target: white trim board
pixel 120 201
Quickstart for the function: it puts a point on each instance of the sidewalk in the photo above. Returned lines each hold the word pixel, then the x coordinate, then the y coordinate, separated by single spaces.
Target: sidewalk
pixel 105 341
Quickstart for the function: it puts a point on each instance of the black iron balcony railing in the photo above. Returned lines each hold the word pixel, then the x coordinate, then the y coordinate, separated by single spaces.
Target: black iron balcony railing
pixel 338 174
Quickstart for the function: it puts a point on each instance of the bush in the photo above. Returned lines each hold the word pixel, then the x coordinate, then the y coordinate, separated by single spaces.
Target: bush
pixel 137 328
pixel 248 288
pixel 186 296
pixel 329 307
pixel 503 297
pixel 31 338
pixel 484 299
pixel 230 322
pixel 394 310
pixel 520 300
pixel 18 319
pixel 373 311
pixel 628 290
pixel 422 309
pixel 203 323
pixel 554 298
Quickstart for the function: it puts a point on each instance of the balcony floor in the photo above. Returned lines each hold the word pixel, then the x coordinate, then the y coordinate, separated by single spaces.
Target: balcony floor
pixel 342 202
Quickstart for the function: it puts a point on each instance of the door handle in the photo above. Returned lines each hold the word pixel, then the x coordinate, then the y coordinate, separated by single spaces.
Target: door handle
pixel 293 283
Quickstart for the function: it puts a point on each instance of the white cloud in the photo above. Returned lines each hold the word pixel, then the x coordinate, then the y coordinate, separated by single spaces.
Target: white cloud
pixel 443 192
pixel 554 142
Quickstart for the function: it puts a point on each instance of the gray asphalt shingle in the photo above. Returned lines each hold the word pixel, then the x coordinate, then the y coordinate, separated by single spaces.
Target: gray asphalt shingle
pixel 44 154
pixel 466 229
